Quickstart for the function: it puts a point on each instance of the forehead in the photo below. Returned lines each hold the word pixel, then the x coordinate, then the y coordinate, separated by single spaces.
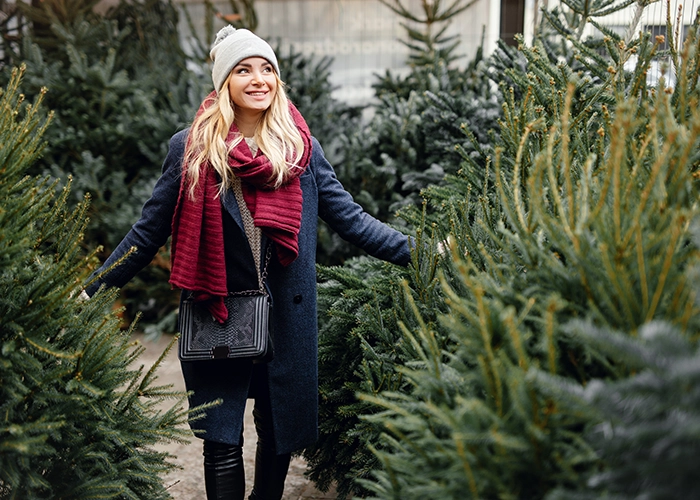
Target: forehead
pixel 254 61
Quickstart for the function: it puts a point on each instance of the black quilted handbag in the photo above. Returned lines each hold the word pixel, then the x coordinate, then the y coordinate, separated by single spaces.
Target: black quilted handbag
pixel 245 333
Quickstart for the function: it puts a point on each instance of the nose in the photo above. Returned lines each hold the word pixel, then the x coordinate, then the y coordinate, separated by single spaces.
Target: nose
pixel 258 77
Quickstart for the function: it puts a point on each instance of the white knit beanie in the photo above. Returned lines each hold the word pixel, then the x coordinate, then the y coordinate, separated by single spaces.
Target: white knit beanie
pixel 231 47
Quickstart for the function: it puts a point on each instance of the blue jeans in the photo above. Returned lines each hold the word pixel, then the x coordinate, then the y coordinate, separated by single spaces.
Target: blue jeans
pixel 224 474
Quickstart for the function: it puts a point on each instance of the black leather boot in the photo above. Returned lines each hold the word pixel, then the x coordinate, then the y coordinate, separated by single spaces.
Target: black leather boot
pixel 224 475
pixel 270 468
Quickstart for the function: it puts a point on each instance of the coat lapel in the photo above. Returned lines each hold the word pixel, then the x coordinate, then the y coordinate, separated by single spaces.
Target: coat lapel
pixel 230 203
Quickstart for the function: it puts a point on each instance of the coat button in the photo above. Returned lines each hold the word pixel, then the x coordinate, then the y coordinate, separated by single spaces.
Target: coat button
pixel 297 299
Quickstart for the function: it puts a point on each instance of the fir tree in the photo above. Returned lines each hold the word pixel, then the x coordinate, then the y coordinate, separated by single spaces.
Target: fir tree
pixel 118 98
pixel 408 145
pixel 431 44
pixel 409 142
pixel 80 418
pixel 645 425
pixel 360 347
pixel 584 214
pixel 578 207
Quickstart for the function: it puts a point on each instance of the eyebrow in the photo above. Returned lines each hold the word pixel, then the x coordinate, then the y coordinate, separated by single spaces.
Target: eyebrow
pixel 248 65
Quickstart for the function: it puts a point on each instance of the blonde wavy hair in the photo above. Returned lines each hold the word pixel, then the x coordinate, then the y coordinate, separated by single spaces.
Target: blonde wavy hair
pixel 276 135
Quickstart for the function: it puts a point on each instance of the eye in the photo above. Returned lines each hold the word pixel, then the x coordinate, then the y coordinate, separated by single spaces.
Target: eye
pixel 267 69
pixel 241 70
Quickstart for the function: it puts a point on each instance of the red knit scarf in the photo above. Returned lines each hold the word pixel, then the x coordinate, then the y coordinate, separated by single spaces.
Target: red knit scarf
pixel 197 252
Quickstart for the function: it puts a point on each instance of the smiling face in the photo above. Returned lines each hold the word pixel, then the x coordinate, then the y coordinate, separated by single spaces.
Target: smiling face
pixel 252 85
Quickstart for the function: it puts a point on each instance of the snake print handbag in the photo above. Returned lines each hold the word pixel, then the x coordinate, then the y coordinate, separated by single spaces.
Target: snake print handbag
pixel 244 334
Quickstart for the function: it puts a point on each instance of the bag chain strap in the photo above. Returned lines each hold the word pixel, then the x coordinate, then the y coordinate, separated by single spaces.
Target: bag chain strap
pixel 263 277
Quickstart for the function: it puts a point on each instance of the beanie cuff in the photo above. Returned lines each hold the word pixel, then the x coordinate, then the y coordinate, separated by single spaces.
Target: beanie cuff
pixel 231 47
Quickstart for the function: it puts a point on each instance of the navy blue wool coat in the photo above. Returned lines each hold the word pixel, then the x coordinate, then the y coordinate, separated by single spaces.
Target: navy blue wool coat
pixel 292 376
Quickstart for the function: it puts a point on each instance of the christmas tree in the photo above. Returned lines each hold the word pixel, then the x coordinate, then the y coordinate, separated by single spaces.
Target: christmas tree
pixel 645 429
pixel 584 213
pixel 120 87
pixel 579 207
pixel 80 416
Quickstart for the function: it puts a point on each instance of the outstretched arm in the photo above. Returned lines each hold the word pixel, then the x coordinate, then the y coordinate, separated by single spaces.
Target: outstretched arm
pixel 152 229
pixel 350 221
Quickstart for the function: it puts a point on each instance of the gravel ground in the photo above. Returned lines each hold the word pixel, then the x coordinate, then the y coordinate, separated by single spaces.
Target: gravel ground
pixel 187 483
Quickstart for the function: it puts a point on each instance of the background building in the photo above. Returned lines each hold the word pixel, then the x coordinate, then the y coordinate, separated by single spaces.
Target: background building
pixel 364 36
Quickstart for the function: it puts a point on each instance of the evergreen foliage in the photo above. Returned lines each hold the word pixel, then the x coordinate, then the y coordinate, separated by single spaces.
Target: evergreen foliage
pixel 120 88
pixel 79 418
pixel 409 143
pixel 360 347
pixel 647 431
pixel 431 44
pixel 588 221
pixel 579 207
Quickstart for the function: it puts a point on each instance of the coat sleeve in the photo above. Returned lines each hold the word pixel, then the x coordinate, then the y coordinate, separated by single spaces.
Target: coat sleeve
pixel 347 218
pixel 152 229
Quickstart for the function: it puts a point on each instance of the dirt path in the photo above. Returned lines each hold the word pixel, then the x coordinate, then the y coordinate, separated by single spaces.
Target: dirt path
pixel 188 482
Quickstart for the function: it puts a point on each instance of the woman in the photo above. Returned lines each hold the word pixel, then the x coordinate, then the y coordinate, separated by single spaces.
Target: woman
pixel 246 175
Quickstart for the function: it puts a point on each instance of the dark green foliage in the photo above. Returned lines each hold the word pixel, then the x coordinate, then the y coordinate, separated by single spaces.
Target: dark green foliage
pixel 120 86
pixel 410 141
pixel 647 435
pixel 80 418
pixel 152 52
pixel 408 144
pixel 41 15
pixel 584 214
pixel 475 423
pixel 360 347
pixel 578 207
pixel 484 421
pixel 341 451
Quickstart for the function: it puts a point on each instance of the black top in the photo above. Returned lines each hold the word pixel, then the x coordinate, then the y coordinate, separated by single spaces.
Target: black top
pixel 240 265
